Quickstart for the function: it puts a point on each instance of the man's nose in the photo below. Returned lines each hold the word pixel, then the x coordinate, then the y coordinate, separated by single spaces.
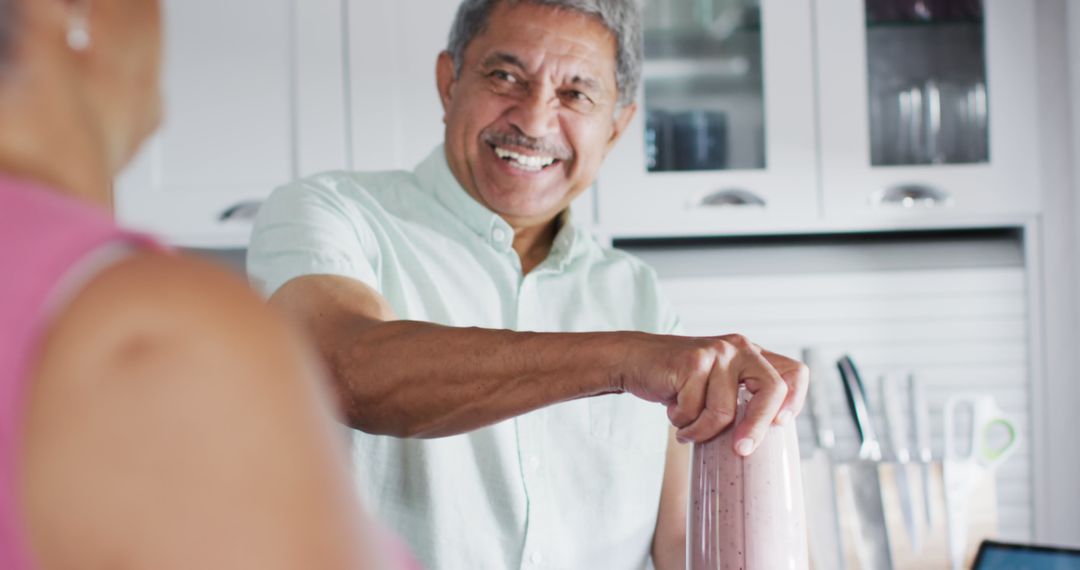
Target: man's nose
pixel 537 114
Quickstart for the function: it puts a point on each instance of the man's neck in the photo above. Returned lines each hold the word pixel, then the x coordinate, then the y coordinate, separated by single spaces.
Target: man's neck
pixel 533 243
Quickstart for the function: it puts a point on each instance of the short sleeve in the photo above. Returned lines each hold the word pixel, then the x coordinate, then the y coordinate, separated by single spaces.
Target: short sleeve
pixel 309 228
pixel 654 311
pixel 668 321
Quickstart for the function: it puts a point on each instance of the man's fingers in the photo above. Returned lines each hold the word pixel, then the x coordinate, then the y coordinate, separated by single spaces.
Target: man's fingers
pixel 721 398
pixel 706 406
pixel 688 404
pixel 769 391
pixel 797 377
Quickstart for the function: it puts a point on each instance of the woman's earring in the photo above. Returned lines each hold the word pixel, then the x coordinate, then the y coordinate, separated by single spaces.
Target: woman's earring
pixel 78 34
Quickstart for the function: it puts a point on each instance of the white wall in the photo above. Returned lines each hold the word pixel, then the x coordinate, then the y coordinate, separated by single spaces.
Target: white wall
pixel 1058 456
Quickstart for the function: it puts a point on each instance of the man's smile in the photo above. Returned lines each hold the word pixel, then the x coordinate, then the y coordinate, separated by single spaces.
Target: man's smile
pixel 523 161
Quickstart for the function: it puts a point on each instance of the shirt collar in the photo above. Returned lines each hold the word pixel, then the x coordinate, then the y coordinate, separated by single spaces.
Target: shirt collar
pixel 435 176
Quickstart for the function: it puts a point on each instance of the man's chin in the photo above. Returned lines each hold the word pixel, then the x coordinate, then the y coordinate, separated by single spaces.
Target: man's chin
pixel 528 214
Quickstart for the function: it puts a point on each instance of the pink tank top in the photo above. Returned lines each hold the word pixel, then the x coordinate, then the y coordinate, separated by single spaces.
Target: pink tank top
pixel 44 238
pixel 48 245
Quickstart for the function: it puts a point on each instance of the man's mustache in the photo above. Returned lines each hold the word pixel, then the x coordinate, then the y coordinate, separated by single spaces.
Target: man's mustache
pixel 540 146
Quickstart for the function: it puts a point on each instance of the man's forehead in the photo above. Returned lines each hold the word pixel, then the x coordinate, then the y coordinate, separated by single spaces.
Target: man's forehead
pixel 526 35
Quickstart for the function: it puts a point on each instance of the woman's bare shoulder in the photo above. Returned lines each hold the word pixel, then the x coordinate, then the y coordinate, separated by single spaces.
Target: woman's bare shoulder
pixel 156 308
pixel 167 382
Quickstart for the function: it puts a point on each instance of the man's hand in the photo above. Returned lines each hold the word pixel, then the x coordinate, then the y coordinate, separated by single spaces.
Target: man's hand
pixel 698 380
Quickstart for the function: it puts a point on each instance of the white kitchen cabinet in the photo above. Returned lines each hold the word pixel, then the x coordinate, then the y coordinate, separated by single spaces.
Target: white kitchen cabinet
pixel 874 114
pixel 929 114
pixel 254 97
pixel 723 137
pixel 756 116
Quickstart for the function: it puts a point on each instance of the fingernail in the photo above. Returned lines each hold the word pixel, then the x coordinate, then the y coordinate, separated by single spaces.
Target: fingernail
pixel 681 439
pixel 744 446
pixel 784 417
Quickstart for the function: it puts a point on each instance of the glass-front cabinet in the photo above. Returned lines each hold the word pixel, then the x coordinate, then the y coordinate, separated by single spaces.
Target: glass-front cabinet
pixel 723 136
pixel 774 116
pixel 928 108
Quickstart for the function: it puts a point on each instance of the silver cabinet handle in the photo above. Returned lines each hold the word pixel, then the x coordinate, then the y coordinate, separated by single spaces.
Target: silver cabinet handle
pixel 911 196
pixel 241 211
pixel 731 198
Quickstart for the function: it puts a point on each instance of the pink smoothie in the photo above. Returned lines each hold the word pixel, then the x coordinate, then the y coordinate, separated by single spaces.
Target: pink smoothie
pixel 716 540
pixel 747 514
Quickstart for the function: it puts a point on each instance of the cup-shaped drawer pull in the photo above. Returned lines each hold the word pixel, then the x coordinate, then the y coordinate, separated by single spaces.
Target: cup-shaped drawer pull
pixel 241 211
pixel 911 196
pixel 730 198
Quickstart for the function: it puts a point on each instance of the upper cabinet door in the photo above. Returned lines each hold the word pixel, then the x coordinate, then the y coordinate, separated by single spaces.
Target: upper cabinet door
pixel 253 98
pixel 723 138
pixel 928 108
pixel 396 112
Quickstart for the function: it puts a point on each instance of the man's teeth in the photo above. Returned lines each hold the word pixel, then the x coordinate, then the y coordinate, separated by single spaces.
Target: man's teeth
pixel 533 163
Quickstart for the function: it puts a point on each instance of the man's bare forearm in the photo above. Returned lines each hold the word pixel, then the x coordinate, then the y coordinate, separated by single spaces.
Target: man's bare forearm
pixel 415 379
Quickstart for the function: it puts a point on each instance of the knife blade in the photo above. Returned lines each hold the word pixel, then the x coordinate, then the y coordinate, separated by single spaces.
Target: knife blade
pixel 920 415
pixel 864 472
pixel 869 444
pixel 898 442
pixel 819 471
pixel 819 401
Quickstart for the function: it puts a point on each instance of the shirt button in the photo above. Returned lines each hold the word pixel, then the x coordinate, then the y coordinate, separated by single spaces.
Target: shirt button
pixel 498 234
pixel 534 464
pixel 536 558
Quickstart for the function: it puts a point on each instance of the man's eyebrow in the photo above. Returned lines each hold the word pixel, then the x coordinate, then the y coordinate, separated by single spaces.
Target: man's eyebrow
pixel 503 58
pixel 586 82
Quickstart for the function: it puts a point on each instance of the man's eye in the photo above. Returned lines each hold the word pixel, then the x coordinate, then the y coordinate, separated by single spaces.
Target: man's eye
pixel 577 98
pixel 503 76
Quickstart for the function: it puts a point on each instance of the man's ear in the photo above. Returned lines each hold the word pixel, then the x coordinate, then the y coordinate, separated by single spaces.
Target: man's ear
pixel 445 79
pixel 622 120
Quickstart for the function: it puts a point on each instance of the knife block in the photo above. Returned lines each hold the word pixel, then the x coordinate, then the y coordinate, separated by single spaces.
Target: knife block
pixel 981 523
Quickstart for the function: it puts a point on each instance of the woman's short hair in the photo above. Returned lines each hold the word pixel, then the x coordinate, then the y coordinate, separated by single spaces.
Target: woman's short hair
pixel 7 30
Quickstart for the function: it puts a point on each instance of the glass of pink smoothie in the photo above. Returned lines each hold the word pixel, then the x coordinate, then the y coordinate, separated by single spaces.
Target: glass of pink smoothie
pixel 747 513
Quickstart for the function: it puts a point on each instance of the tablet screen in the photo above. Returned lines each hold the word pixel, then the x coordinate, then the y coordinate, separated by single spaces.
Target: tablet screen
pixel 1000 556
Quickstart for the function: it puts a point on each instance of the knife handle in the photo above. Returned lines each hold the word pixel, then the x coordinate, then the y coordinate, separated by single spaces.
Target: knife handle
pixel 856 398
pixel 894 419
pixel 920 414
pixel 819 399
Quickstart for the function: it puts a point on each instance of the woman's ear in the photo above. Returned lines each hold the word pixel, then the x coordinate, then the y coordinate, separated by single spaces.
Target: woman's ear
pixel 74 18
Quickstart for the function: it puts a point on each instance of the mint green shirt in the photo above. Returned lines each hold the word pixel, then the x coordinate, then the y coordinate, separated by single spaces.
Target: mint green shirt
pixel 573 485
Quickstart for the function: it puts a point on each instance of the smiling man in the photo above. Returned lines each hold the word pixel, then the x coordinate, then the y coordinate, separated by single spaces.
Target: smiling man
pixel 516 388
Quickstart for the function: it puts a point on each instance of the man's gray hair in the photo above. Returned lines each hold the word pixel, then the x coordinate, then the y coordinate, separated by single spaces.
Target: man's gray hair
pixel 621 17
